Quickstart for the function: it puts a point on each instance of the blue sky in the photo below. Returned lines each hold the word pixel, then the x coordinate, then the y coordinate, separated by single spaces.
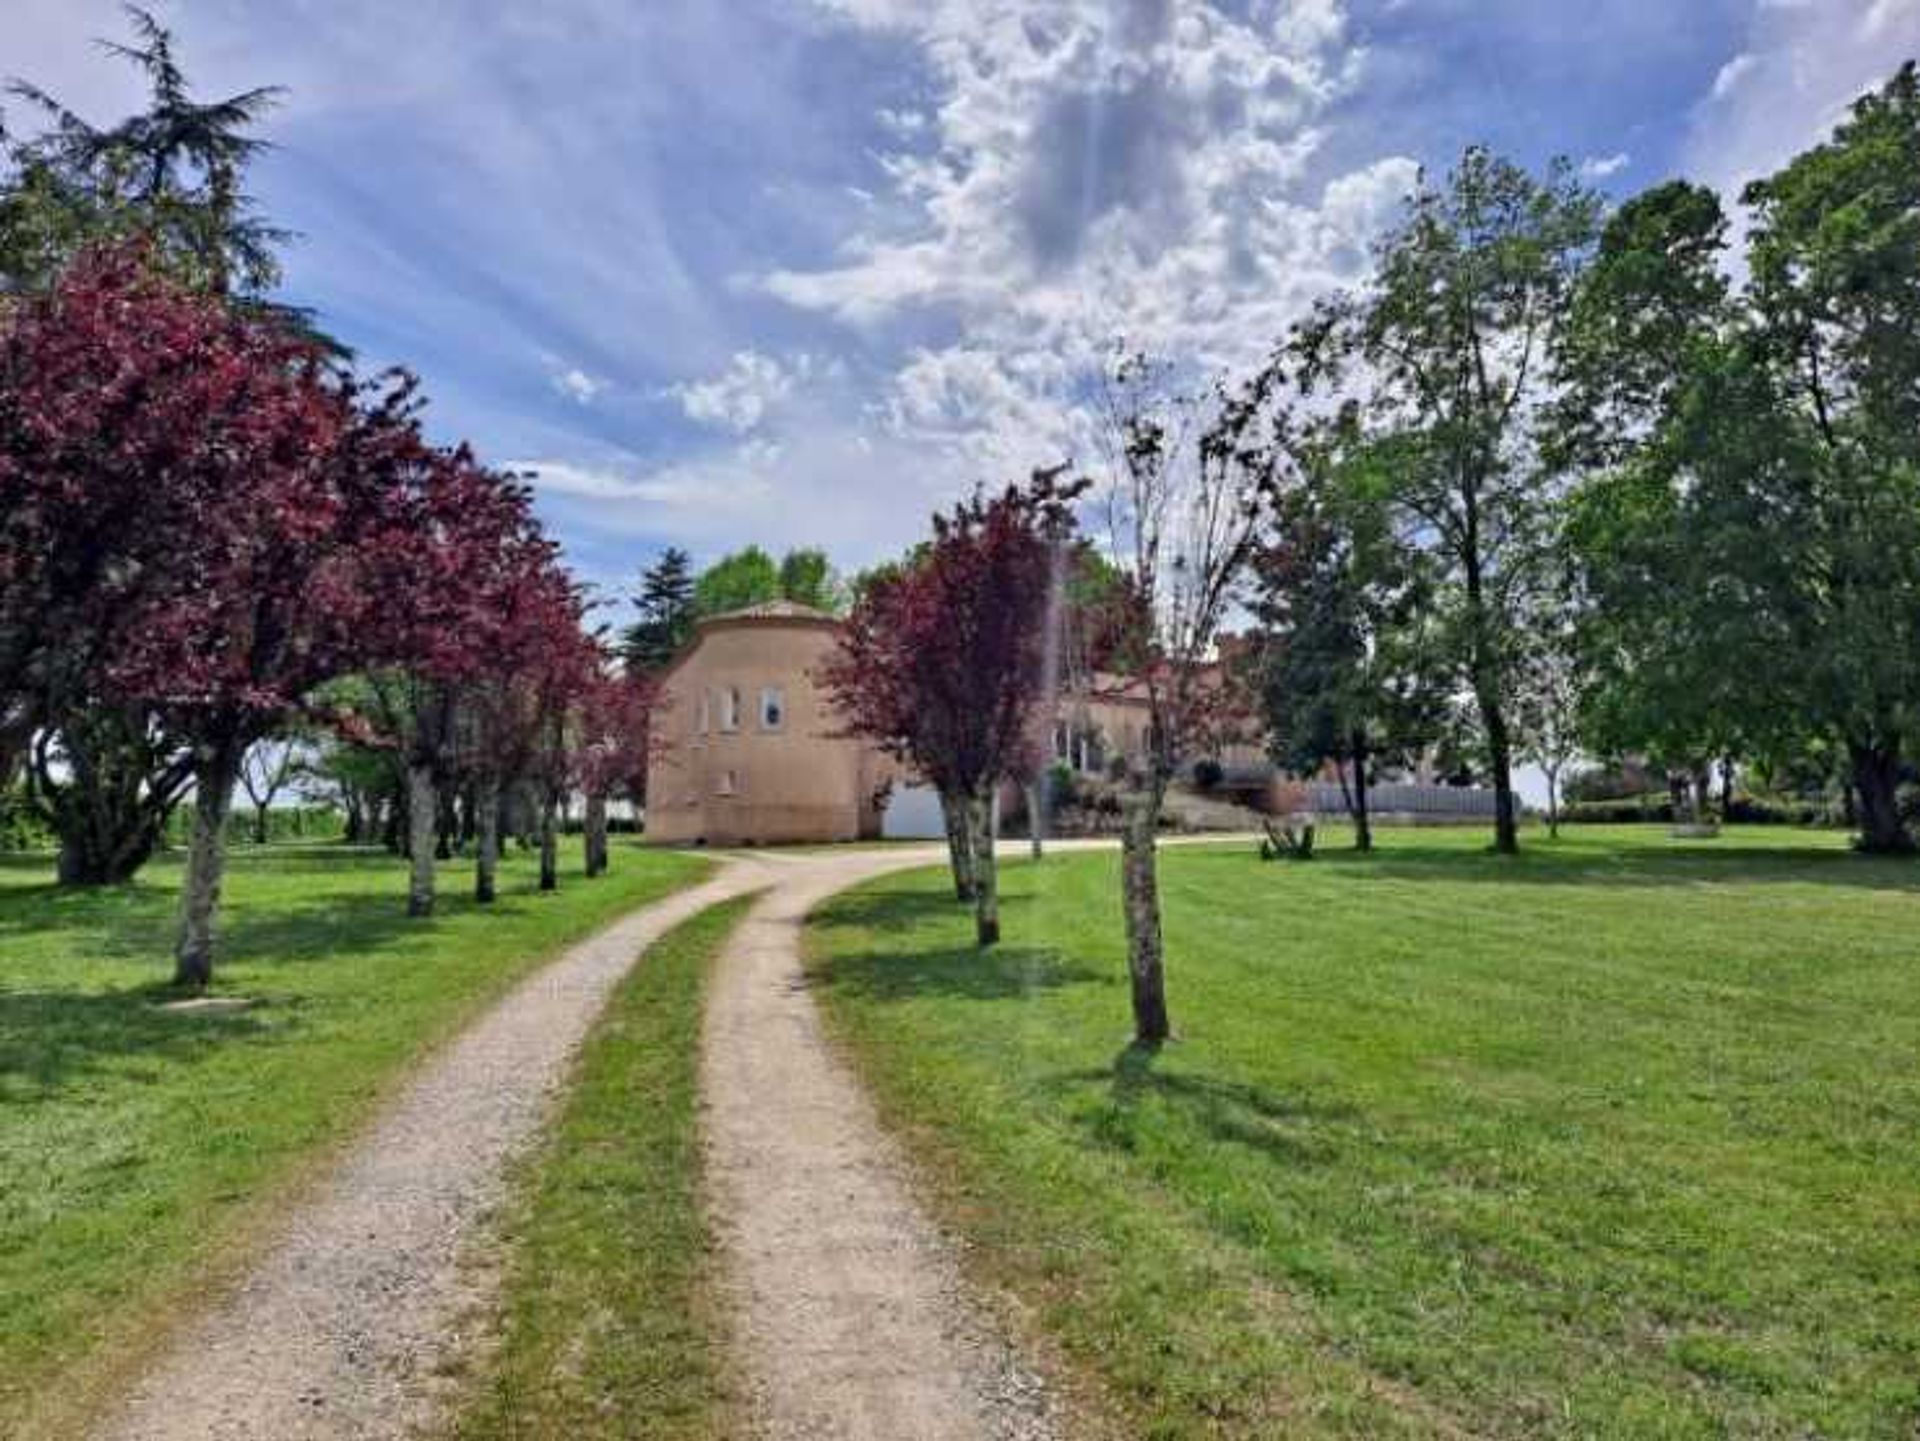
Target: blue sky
pixel 796 271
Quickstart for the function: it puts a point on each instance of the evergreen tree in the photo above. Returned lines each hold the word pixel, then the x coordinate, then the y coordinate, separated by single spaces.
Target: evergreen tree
pixel 666 607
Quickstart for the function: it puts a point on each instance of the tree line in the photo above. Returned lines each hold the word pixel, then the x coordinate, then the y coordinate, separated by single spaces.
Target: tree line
pixel 1552 479
pixel 216 534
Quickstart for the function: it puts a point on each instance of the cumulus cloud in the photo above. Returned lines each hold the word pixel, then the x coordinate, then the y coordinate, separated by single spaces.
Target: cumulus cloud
pixel 1087 171
pixel 1599 167
pixel 741 397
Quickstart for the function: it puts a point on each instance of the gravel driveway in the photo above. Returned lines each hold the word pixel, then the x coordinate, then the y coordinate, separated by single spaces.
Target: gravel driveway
pixel 341 1328
pixel 850 1307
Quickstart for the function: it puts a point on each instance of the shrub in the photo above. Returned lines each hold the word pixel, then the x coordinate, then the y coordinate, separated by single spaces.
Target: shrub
pixel 1647 808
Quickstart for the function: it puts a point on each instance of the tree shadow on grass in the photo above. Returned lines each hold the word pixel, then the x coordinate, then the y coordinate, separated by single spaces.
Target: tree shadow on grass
pixel 51 1041
pixel 1284 1128
pixel 893 912
pixel 965 972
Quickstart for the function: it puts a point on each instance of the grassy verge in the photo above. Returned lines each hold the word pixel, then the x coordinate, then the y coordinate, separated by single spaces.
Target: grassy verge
pixel 607 1327
pixel 1620 1138
pixel 141 1148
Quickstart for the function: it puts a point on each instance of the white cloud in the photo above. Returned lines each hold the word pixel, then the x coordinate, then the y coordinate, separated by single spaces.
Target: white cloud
pixel 1728 79
pixel 742 396
pixel 1801 66
pixel 577 385
pixel 1089 170
pixel 1599 167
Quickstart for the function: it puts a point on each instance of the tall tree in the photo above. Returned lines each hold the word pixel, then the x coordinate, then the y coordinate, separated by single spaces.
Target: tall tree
pixel 1834 256
pixel 172 174
pixel 666 613
pixel 171 177
pixel 1448 345
pixel 1663 664
pixel 1343 660
pixel 1188 479
pixel 942 660
pixel 260 486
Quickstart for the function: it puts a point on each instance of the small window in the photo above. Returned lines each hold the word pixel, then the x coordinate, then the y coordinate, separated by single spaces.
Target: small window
pixel 773 708
pixel 726 785
pixel 705 711
pixel 730 708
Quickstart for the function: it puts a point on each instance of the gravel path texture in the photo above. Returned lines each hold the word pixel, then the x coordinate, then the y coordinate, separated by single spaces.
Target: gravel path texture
pixel 848 1304
pixel 345 1324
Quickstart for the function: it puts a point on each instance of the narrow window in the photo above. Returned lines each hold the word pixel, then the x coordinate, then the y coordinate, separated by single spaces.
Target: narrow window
pixel 773 708
pixel 730 708
pixel 726 785
pixel 705 710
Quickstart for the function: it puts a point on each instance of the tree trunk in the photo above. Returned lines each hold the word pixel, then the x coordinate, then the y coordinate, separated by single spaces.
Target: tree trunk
pixel 1702 787
pixel 986 869
pixel 549 843
pixel 1506 824
pixel 1876 779
pixel 486 839
pixel 953 811
pixel 107 797
pixel 446 825
pixel 1140 891
pixel 1726 788
pixel 1362 819
pixel 215 769
pixel 1037 816
pixel 595 836
pixel 261 829
pixel 1553 801
pixel 423 808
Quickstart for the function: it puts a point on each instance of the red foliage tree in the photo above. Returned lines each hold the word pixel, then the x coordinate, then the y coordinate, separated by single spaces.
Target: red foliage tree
pixel 535 660
pixel 941 661
pixel 202 516
pixel 612 750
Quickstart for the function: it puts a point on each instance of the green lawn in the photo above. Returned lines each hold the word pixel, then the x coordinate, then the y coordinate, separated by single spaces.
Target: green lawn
pixel 607 1321
pixel 1618 1139
pixel 140 1149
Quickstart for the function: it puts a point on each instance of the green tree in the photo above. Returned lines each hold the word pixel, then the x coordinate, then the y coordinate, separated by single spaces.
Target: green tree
pixel 746 577
pixel 173 172
pixel 1667 648
pixel 1751 539
pixel 807 577
pixel 1834 256
pixel 667 607
pixel 1447 343
pixel 1343 664
pixel 750 576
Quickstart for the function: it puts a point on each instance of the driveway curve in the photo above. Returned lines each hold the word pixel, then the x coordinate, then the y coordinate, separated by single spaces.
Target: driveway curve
pixel 849 1307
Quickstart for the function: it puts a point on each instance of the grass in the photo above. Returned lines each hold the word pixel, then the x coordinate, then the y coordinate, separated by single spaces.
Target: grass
pixel 141 1150
pixel 1621 1138
pixel 607 1322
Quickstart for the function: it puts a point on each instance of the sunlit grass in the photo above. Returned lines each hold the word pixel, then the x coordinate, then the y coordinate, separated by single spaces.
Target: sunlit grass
pixel 1621 1138
pixel 609 1325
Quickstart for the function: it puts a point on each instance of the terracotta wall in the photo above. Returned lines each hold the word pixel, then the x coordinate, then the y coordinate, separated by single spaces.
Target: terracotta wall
pixel 754 782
